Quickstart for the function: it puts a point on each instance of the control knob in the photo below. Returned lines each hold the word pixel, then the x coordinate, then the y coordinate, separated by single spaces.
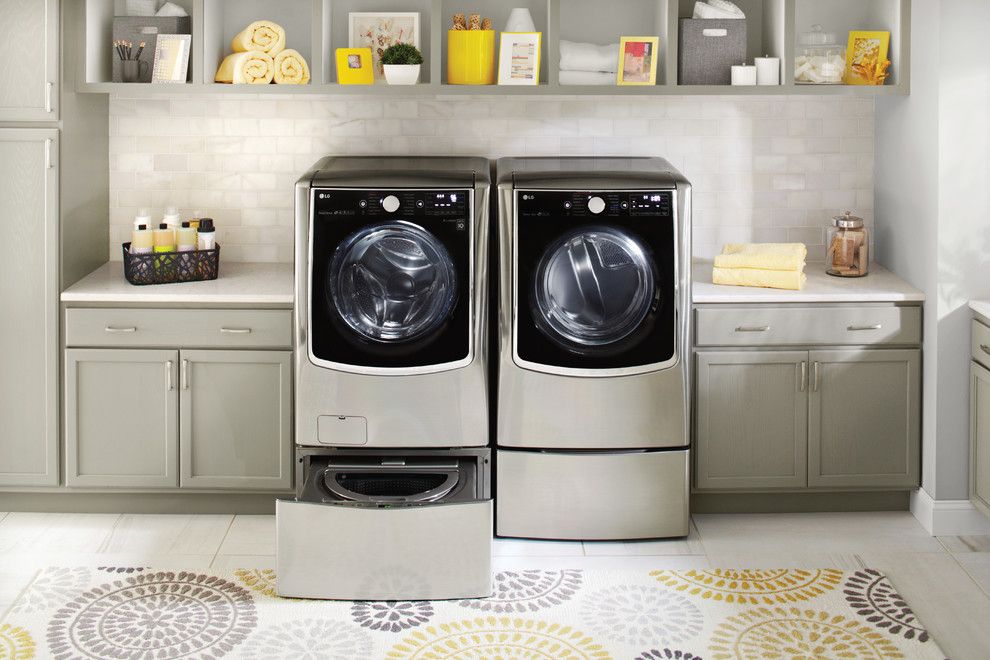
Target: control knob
pixel 596 205
pixel 391 203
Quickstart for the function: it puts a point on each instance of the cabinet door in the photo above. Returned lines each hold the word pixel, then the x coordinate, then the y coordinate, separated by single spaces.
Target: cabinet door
pixel 864 417
pixel 979 428
pixel 29 51
pixel 121 416
pixel 752 420
pixel 236 419
pixel 28 306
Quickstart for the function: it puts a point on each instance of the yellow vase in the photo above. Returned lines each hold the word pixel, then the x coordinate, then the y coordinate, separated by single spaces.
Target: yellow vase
pixel 471 57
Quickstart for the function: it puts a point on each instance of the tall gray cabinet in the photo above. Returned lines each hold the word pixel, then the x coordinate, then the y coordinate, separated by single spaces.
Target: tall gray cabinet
pixel 29 223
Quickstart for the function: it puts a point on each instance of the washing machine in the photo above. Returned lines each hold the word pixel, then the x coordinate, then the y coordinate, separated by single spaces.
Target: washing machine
pixel 393 499
pixel 593 374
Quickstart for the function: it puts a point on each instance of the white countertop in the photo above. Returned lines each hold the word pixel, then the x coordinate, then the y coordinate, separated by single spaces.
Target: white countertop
pixel 239 283
pixel 879 286
pixel 981 307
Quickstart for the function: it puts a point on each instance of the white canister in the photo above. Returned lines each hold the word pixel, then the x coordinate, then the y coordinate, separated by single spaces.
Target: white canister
pixel 520 20
pixel 767 70
pixel 743 75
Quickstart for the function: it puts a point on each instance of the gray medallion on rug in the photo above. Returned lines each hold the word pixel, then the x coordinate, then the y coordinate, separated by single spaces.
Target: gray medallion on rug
pixel 871 594
pixel 528 591
pixel 159 615
pixel 391 615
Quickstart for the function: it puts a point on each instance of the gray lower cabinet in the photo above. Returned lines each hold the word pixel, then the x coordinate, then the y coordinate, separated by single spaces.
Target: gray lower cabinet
pixel 121 418
pixel 979 482
pixel 752 419
pixel 235 419
pixel 864 418
pixel 29 254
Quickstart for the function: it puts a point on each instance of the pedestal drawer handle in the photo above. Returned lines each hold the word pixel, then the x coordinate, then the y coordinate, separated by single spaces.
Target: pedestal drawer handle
pixel 762 328
pixel 235 331
pixel 985 348
pixel 111 328
pixel 858 328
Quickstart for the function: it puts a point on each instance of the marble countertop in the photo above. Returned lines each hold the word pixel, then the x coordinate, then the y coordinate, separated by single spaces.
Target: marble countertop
pixel 880 285
pixel 239 283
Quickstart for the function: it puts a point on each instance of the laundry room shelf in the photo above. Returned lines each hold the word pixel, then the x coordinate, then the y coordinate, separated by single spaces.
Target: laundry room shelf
pixel 317 27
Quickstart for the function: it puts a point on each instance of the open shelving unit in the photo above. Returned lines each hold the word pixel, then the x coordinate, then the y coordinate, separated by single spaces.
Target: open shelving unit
pixel 317 27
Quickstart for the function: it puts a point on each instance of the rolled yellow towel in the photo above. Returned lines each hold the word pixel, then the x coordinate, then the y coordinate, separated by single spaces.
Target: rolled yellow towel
pixel 246 68
pixel 771 279
pixel 765 256
pixel 291 68
pixel 264 36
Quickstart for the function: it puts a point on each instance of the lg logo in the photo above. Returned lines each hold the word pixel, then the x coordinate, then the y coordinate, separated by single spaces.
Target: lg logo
pixel 323 196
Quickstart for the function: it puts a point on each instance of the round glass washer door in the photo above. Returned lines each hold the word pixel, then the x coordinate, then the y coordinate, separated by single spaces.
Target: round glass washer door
pixel 392 282
pixel 594 287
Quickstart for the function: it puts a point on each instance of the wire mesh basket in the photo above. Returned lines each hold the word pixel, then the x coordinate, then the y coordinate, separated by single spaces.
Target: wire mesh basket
pixel 171 267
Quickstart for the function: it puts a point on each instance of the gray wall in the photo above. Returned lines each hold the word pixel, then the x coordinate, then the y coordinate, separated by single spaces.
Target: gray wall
pixel 933 214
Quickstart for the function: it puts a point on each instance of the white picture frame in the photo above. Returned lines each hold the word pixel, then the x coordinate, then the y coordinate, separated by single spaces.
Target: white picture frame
pixel 171 62
pixel 378 30
pixel 519 58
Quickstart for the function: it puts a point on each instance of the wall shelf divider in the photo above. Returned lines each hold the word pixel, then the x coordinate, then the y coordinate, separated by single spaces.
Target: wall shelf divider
pixel 317 27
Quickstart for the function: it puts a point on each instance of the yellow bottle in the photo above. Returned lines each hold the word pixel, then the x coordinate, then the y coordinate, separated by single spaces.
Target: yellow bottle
pixel 164 239
pixel 142 240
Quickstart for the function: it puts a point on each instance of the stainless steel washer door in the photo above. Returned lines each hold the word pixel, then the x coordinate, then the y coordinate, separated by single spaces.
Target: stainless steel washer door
pixel 594 287
pixel 392 282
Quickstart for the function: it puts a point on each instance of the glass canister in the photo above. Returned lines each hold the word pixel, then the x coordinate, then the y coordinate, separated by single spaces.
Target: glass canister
pixel 848 247
pixel 821 59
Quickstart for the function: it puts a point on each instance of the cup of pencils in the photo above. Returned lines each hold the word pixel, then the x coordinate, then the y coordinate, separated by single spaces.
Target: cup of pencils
pixel 131 67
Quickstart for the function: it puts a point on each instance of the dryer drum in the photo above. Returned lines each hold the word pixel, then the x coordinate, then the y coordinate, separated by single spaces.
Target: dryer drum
pixel 392 282
pixel 594 287
pixel 365 483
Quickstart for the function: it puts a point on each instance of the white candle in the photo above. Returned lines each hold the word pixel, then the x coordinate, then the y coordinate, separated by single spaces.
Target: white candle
pixel 767 70
pixel 743 74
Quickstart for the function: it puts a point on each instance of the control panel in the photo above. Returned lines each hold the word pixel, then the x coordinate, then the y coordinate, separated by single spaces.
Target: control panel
pixel 392 204
pixel 595 204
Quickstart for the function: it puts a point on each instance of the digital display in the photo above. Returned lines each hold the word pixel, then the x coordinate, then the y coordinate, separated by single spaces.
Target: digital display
pixel 591 204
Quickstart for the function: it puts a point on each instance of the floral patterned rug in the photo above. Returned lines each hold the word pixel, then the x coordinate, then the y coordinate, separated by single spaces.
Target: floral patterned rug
pixel 116 612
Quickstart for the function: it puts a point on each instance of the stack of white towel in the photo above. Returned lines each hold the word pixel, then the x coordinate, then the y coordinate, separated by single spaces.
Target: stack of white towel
pixel 588 64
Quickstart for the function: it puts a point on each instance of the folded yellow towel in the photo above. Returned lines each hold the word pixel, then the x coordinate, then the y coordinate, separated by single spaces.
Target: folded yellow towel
pixel 264 36
pixel 255 68
pixel 771 279
pixel 765 256
pixel 291 68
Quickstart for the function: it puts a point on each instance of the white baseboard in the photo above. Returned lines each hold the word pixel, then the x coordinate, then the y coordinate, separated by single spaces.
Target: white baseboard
pixel 948 517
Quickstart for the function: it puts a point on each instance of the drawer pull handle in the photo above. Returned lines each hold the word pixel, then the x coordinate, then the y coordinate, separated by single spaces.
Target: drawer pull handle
pixel 858 328
pixel 761 328
pixel 236 331
pixel 185 374
pixel 804 376
pixel 985 348
pixel 111 328
pixel 814 370
pixel 168 375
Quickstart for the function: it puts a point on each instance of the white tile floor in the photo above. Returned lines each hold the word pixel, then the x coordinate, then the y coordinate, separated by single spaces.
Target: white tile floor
pixel 946 580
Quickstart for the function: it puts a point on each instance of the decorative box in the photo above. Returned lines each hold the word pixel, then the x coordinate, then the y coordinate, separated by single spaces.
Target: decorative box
pixel 708 48
pixel 144 28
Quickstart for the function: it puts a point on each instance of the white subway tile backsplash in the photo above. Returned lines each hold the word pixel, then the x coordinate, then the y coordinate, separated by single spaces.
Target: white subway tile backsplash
pixel 763 169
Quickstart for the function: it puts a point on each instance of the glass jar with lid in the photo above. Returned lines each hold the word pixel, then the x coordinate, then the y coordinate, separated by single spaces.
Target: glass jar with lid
pixel 821 59
pixel 848 247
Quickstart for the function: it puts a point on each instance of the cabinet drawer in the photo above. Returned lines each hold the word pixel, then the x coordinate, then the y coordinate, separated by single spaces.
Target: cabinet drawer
pixel 776 326
pixel 981 344
pixel 206 328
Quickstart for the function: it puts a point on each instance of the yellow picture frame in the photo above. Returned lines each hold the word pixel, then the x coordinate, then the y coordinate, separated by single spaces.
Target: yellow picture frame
pixel 355 66
pixel 865 55
pixel 636 65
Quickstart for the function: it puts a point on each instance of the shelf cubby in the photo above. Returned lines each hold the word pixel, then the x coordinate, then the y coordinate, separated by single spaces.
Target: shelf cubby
pixel 317 27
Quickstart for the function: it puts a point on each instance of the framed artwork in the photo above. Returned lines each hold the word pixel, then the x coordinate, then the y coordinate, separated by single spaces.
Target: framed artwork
pixel 866 58
pixel 355 66
pixel 638 61
pixel 171 64
pixel 519 58
pixel 378 30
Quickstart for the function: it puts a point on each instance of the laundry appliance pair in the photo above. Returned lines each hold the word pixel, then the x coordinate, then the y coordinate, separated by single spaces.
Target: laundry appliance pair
pixel 404 289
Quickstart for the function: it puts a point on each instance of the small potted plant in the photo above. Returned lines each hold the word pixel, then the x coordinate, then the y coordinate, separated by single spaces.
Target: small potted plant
pixel 401 63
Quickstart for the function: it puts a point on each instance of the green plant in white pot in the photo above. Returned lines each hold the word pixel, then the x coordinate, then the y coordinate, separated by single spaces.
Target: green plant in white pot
pixel 402 63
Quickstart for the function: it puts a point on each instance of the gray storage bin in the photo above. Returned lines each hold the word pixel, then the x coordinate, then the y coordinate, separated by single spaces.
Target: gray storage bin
pixel 145 28
pixel 705 58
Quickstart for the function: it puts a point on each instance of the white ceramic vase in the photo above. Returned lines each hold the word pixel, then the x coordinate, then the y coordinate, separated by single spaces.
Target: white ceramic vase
pixel 520 20
pixel 402 74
